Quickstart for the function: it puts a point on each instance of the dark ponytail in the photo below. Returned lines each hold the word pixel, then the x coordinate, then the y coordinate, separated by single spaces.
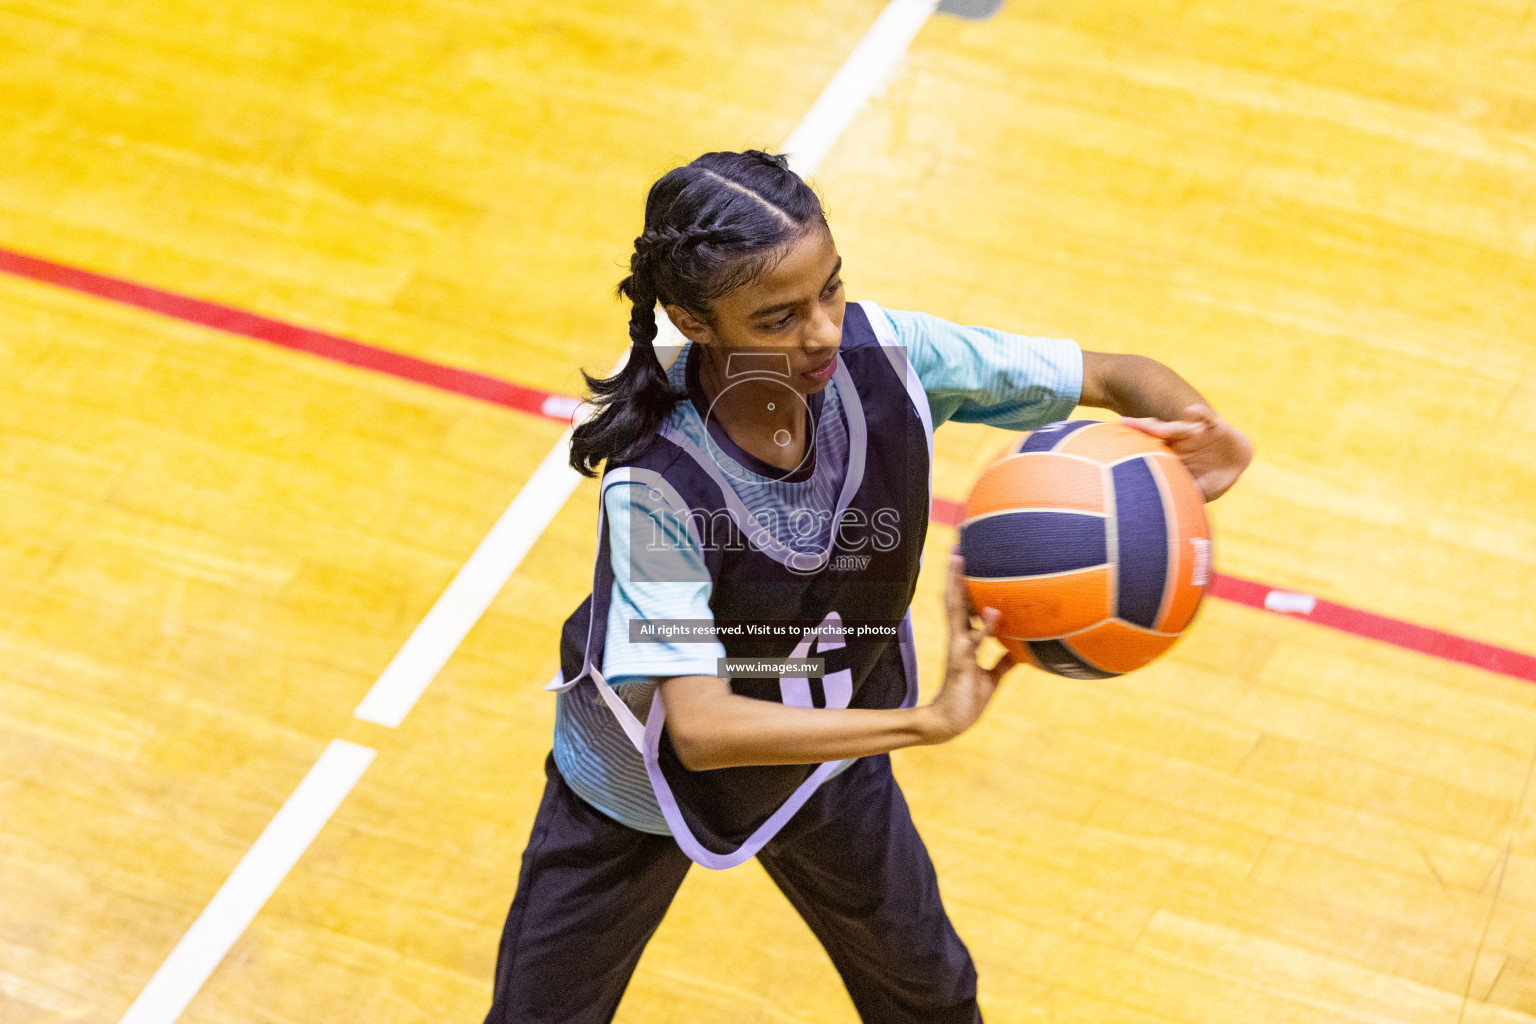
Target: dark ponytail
pixel 710 227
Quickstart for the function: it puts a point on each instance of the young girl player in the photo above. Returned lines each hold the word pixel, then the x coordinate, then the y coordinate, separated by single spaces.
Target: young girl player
pixel 772 486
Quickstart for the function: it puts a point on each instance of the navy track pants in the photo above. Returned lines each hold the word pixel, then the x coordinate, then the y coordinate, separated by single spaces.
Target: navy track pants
pixel 593 891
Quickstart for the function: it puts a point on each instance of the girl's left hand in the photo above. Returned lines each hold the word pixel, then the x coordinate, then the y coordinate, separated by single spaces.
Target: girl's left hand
pixel 1213 450
pixel 968 685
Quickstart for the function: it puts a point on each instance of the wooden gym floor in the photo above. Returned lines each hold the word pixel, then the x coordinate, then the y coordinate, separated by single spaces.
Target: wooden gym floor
pixel 210 547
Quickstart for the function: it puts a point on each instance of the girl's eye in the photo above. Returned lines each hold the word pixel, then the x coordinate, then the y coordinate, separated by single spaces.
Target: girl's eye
pixel 781 323
pixel 832 288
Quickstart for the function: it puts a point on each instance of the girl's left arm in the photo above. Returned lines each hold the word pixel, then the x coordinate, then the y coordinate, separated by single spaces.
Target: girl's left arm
pixel 1157 401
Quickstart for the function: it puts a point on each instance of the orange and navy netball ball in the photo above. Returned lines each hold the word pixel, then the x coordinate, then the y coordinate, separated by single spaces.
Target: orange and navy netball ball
pixel 1091 539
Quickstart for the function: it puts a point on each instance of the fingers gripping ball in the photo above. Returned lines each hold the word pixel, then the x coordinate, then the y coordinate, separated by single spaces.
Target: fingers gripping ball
pixel 1092 541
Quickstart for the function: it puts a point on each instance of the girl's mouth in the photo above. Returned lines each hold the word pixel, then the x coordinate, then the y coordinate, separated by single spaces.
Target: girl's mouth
pixel 825 372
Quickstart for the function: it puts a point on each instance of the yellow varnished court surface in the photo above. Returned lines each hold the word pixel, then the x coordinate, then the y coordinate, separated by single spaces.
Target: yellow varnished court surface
pixel 210 548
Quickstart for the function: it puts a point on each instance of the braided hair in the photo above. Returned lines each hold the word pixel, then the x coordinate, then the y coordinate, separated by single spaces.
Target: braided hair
pixel 710 227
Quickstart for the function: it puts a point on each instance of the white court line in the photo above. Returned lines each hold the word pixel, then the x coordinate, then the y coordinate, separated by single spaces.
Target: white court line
pixel 862 75
pixel 254 879
pixel 471 592
pixel 439 634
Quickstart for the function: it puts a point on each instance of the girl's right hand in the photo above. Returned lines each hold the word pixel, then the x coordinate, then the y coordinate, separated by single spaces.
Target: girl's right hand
pixel 968 686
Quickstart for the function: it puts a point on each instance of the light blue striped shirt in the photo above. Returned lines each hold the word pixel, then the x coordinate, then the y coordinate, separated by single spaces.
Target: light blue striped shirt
pixel 970 374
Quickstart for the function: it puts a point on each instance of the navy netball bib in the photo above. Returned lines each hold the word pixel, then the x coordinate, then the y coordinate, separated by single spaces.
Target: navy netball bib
pixel 843 600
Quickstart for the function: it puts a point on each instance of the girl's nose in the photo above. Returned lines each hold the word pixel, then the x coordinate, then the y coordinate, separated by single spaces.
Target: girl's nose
pixel 822 333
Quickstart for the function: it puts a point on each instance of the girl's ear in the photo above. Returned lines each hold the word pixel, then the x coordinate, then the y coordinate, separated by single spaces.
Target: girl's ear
pixel 689 325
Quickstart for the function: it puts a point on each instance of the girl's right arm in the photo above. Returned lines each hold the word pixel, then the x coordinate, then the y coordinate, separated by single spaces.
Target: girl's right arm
pixel 712 727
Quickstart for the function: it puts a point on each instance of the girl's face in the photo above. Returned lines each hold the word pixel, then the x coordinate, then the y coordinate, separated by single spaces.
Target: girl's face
pixel 793 312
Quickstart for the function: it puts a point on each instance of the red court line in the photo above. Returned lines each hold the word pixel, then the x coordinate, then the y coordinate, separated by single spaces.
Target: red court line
pixel 559 407
pixel 1393 631
pixel 301 339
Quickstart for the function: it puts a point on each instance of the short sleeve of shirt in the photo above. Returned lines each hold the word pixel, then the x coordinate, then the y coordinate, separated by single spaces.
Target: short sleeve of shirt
pixel 658 573
pixel 982 375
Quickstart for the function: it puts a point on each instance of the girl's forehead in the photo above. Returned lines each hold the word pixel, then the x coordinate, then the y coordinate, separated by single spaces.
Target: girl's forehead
pixel 803 270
